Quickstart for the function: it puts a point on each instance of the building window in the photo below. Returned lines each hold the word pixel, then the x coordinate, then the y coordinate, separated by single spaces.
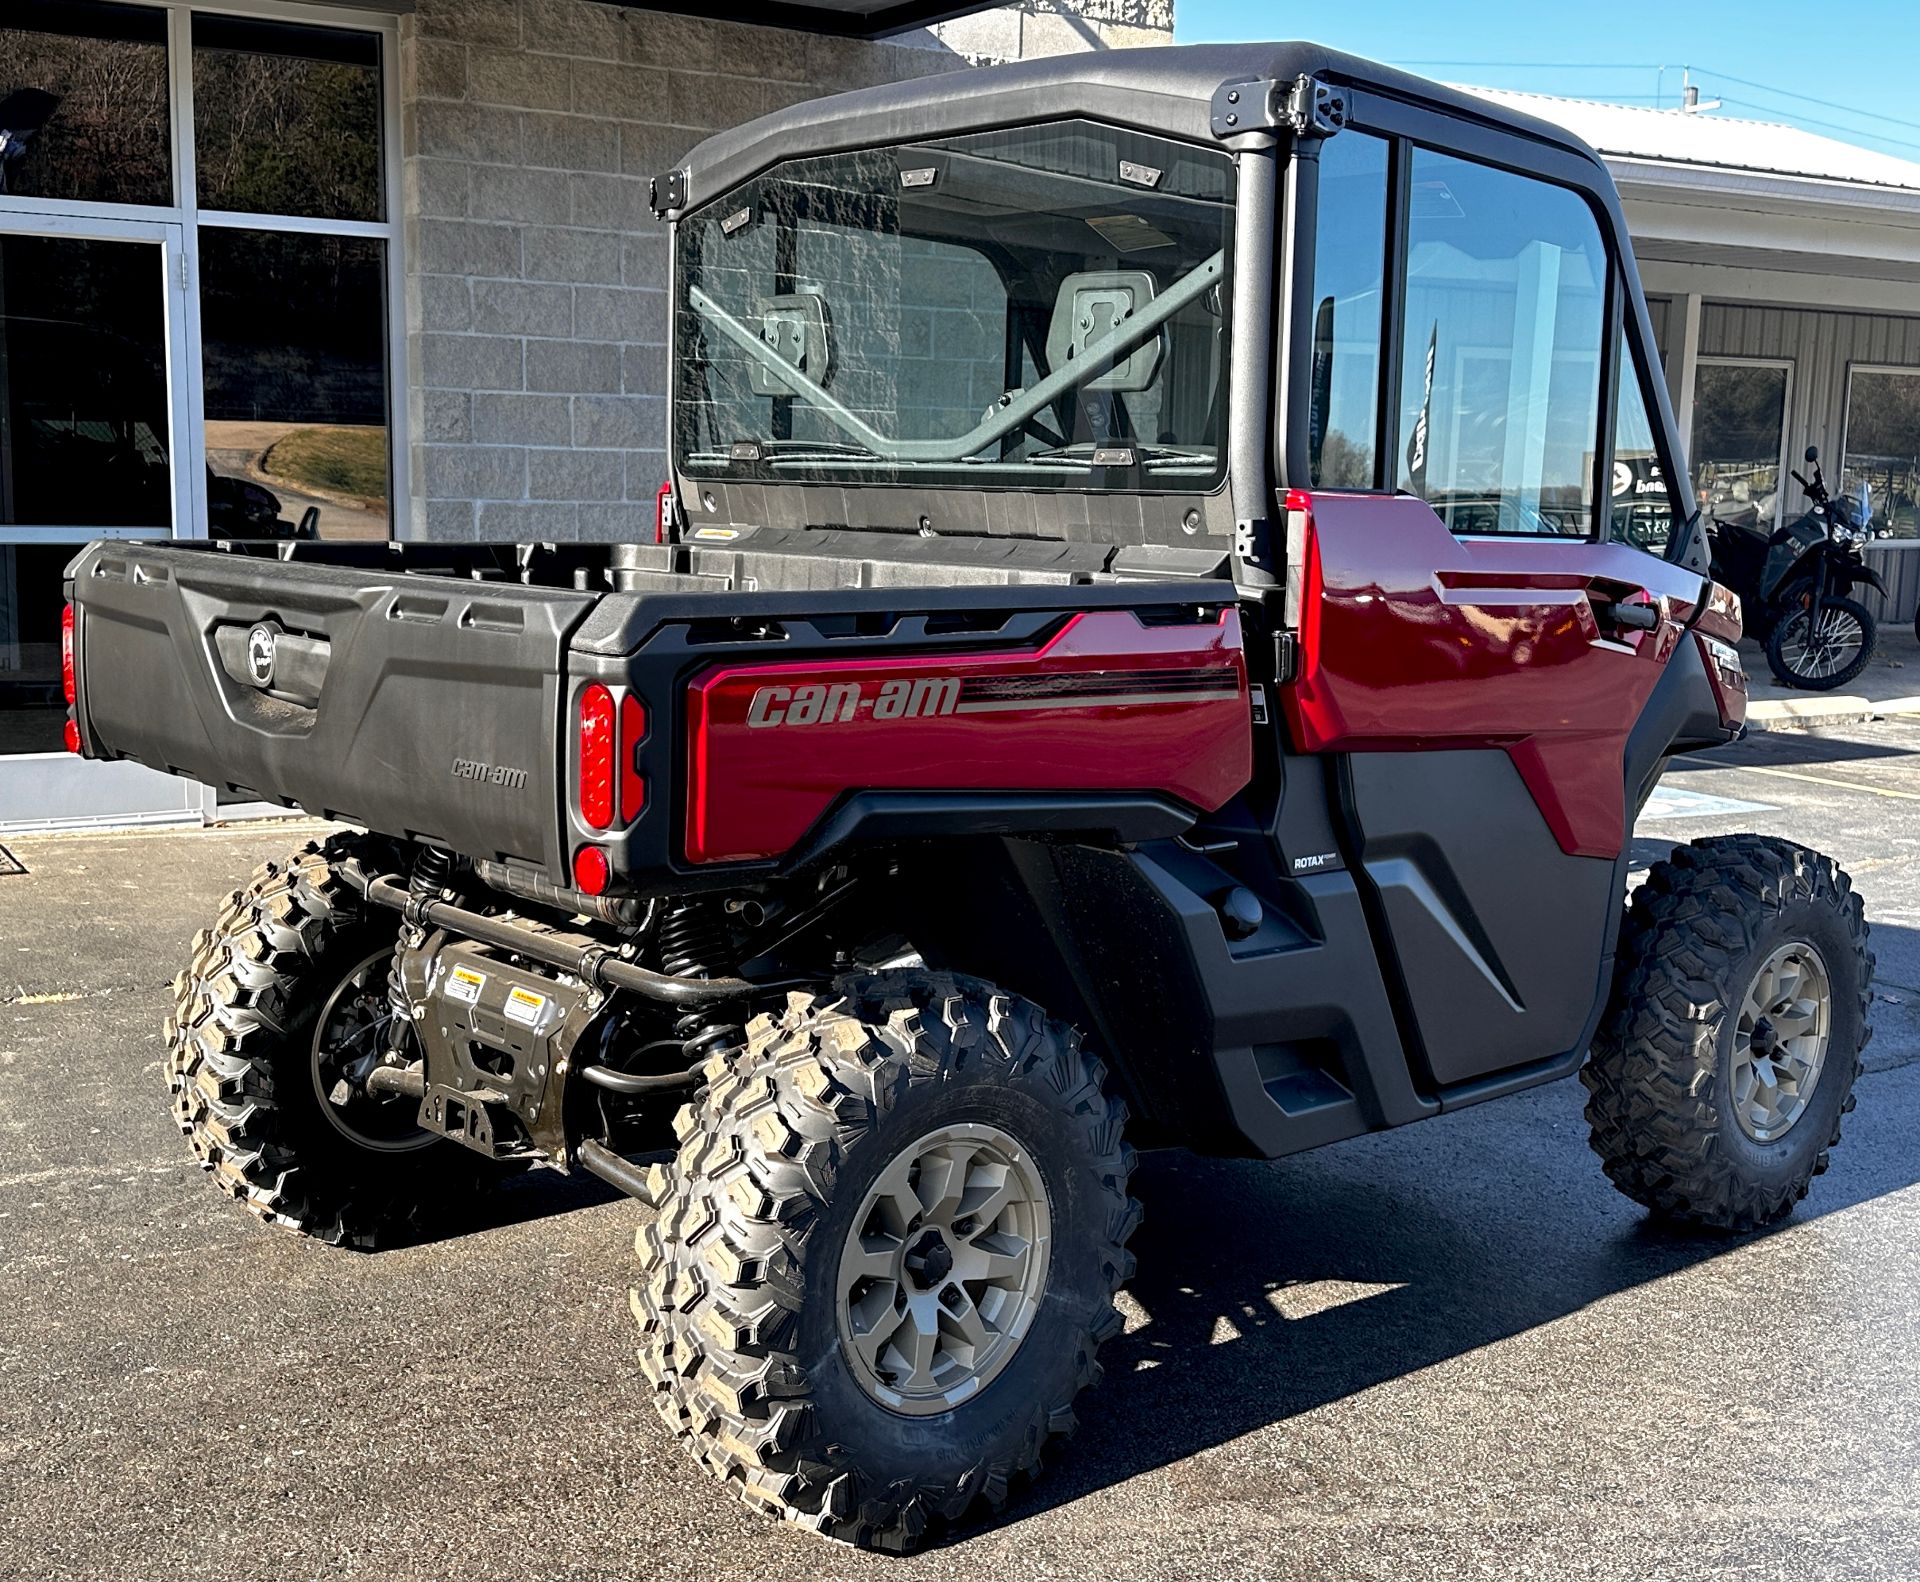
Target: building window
pixel 83 103
pixel 293 330
pixel 1883 446
pixel 1500 370
pixel 1739 436
pixel 286 120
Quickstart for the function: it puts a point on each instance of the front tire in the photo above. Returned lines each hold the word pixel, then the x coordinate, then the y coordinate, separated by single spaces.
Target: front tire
pixel 288 984
pixel 1819 651
pixel 887 1254
pixel 1729 1050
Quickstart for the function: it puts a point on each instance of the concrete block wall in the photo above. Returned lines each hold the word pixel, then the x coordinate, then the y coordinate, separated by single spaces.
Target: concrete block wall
pixel 536 275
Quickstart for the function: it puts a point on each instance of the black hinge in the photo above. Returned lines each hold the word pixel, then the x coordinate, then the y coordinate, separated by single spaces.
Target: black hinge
pixel 1286 656
pixel 1307 107
pixel 1316 109
pixel 667 193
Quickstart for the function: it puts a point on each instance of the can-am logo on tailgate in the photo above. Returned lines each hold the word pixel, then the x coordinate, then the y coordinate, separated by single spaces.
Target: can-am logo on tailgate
pixel 489 774
pixel 822 703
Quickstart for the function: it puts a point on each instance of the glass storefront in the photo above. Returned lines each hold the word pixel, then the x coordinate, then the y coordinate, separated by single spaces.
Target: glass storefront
pixel 196 308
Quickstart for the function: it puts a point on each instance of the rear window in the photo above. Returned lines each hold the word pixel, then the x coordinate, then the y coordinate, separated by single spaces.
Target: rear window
pixel 1033 309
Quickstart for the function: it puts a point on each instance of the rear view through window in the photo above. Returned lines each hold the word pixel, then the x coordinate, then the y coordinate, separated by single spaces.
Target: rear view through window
pixel 1039 308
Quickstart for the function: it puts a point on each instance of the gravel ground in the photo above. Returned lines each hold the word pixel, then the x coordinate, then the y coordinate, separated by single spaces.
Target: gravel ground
pixel 1450 1351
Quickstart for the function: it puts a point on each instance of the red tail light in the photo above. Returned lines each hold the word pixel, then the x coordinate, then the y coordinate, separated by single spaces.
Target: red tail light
pixel 633 731
pixel 663 515
pixel 66 656
pixel 72 736
pixel 596 756
pixel 591 871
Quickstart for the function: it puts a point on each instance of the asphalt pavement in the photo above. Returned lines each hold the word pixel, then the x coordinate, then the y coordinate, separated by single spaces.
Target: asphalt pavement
pixel 1450 1351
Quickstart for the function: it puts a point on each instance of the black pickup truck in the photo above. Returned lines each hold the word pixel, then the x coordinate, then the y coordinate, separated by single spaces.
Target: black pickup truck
pixel 1137 655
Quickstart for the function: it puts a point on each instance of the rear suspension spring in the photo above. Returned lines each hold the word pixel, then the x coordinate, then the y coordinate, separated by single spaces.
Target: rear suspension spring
pixel 692 941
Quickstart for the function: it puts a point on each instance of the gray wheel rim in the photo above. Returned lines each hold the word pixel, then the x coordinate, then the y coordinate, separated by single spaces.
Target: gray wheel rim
pixel 943 1270
pixel 349 1037
pixel 1780 1041
pixel 1825 648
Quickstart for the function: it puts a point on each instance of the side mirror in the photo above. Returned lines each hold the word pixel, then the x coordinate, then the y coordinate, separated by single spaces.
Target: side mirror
pixel 1813 453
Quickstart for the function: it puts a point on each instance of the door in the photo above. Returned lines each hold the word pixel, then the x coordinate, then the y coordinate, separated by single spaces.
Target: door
pixel 92 440
pixel 1478 644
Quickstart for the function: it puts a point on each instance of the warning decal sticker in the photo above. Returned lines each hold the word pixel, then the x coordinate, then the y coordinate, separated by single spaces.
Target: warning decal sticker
pixel 524 1006
pixel 464 985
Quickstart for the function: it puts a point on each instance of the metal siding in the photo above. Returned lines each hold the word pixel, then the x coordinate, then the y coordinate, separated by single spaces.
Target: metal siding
pixel 1822 347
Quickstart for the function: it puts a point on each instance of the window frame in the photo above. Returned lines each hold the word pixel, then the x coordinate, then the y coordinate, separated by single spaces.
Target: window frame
pixel 1786 418
pixel 1410 127
pixel 186 382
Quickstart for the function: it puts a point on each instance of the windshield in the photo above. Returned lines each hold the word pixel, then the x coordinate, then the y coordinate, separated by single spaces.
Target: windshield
pixel 1029 309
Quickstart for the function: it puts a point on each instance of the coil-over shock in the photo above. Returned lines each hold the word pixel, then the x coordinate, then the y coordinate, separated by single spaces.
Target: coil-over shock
pixel 431 870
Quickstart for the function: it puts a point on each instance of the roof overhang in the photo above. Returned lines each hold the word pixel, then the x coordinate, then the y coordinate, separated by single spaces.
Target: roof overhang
pixel 1778 225
pixel 839 18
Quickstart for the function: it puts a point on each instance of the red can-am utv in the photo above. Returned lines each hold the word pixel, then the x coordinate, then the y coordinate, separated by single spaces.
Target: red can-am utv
pixel 1143 654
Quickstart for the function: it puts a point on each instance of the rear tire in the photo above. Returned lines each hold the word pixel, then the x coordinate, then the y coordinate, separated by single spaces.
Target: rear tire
pixel 758 1323
pixel 1700 1107
pixel 242 1059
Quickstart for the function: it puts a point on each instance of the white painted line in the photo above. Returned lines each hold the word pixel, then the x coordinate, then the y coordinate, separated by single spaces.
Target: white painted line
pixel 1794 774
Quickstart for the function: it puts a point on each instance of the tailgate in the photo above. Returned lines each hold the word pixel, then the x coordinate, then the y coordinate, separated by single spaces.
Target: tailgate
pixel 415 705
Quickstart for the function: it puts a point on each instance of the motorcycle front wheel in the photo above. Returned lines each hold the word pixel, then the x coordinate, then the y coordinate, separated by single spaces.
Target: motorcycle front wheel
pixel 1819 647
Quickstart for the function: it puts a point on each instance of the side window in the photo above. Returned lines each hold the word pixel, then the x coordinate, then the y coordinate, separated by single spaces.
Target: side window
pixel 1640 505
pixel 1500 372
pixel 1349 268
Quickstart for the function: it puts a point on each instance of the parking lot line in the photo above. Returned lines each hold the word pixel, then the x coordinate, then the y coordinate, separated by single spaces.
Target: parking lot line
pixel 1795 774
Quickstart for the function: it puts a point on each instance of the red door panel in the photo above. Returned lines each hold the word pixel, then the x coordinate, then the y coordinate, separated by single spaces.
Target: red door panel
pixel 1411 638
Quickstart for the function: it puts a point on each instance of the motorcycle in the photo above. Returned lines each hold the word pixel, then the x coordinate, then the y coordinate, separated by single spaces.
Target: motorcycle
pixel 1795 585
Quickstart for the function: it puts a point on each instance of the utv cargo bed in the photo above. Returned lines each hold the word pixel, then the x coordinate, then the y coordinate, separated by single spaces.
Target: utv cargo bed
pixel 442 696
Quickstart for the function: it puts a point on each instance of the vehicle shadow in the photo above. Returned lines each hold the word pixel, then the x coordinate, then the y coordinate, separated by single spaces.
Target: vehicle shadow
pixel 1786 749
pixel 518 1200
pixel 1267 1290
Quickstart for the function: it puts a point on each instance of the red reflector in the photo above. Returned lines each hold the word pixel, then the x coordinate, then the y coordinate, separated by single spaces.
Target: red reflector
pixel 663 515
pixel 66 656
pixel 591 871
pixel 633 731
pixel 73 736
pixel 596 757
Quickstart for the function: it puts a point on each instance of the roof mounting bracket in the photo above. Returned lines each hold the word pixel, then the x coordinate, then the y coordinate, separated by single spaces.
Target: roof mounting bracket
pixel 667 193
pixel 1241 107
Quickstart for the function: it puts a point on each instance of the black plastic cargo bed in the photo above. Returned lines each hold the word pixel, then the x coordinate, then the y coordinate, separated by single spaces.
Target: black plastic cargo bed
pixel 442 717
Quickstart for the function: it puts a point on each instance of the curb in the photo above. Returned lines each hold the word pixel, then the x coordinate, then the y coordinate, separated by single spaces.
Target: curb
pixel 1817 713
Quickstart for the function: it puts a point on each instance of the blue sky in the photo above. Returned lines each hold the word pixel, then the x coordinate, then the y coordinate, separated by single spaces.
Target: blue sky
pixel 1848 69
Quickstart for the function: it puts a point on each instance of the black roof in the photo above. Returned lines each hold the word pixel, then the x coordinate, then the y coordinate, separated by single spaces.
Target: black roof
pixel 1164 90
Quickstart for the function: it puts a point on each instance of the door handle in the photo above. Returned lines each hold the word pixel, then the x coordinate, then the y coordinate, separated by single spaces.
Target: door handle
pixel 1627 617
